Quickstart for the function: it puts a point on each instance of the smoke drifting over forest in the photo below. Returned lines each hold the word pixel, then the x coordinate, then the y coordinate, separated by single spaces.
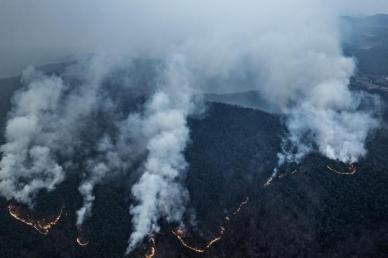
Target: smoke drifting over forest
pixel 100 118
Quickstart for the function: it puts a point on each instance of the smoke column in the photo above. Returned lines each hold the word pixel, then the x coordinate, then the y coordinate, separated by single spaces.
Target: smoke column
pixel 44 131
pixel 159 192
pixel 307 79
pixel 28 163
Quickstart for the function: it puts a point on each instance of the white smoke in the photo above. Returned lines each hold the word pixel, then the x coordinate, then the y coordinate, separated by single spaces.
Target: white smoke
pixel 28 164
pixel 112 159
pixel 44 126
pixel 339 133
pixel 311 88
pixel 159 192
pixel 111 151
pixel 96 173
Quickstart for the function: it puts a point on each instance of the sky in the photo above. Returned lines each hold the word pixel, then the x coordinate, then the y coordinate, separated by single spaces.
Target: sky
pixel 46 31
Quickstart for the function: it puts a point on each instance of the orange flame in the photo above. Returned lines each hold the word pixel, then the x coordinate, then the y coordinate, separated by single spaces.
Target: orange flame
pixel 42 226
pixel 152 251
pixel 179 233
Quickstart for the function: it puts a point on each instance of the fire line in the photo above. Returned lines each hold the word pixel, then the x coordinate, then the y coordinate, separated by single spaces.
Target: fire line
pixel 179 233
pixel 81 242
pixel 152 250
pixel 276 175
pixel 352 170
pixel 42 226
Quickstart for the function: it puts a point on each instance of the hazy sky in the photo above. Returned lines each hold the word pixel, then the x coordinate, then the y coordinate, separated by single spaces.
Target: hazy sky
pixel 43 31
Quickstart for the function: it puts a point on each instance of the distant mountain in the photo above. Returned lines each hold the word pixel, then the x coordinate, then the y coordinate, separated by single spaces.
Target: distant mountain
pixel 247 99
pixel 375 22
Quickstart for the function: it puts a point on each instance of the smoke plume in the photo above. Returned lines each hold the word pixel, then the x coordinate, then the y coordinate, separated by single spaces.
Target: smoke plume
pixel 45 132
pixel 28 163
pixel 159 192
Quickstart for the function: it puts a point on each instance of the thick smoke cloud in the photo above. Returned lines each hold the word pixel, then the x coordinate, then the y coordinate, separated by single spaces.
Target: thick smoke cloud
pixel 308 82
pixel 28 163
pixel 289 51
pixel 44 128
pixel 42 31
pixel 88 121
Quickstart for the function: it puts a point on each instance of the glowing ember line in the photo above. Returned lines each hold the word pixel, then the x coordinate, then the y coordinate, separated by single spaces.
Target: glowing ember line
pixel 270 179
pixel 352 170
pixel 81 242
pixel 241 205
pixel 179 233
pixel 212 242
pixel 152 251
pixel 42 226
pixel 275 175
